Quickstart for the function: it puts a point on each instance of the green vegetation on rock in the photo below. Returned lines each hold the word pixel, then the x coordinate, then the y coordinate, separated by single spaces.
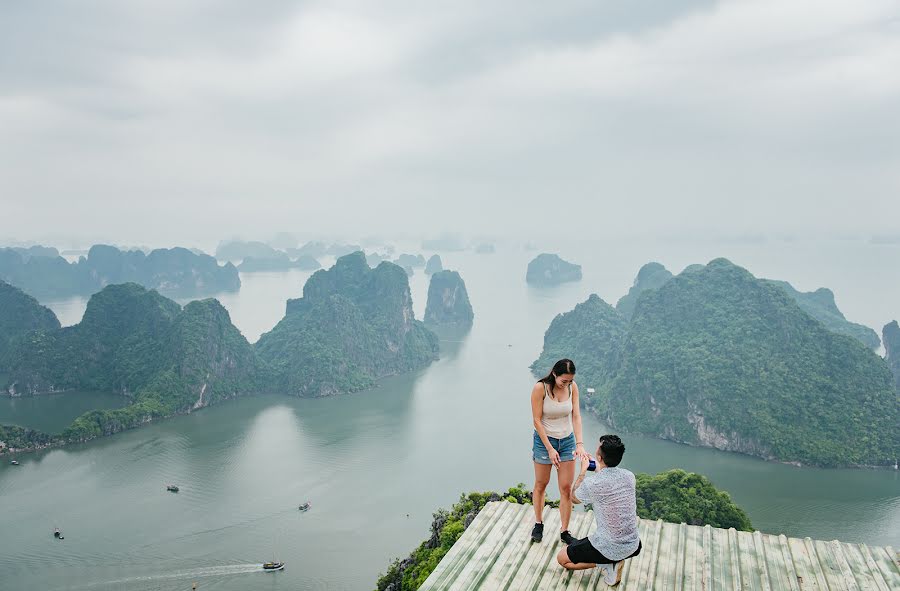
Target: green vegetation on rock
pixel 591 335
pixel 434 265
pixel 238 250
pixel 820 305
pixel 548 269
pixel 174 270
pixel 20 314
pixel 133 341
pixel 650 276
pixel 352 326
pixel 891 338
pixel 447 527
pixel 448 301
pixel 716 357
pixel 676 496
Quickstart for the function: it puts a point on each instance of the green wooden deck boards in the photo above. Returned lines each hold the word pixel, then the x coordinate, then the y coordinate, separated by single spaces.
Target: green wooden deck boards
pixel 495 552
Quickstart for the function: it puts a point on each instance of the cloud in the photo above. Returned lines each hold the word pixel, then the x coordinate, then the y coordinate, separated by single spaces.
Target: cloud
pixel 740 114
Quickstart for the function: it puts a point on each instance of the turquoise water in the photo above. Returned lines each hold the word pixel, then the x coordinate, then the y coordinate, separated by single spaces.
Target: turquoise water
pixel 51 413
pixel 375 464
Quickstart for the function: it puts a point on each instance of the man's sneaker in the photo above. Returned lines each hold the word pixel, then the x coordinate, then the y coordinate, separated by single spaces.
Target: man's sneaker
pixel 537 534
pixel 566 538
pixel 613 573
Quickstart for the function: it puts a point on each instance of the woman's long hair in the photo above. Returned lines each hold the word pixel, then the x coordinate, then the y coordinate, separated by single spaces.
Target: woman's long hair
pixel 563 366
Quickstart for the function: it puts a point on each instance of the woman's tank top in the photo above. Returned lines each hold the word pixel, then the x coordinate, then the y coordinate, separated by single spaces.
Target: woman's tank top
pixel 557 416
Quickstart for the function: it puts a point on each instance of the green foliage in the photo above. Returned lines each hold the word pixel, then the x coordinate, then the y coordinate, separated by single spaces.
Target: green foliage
pixel 891 337
pixel 20 314
pixel 15 437
pixel 718 357
pixel 448 301
pixel 820 305
pixel 650 276
pixel 447 527
pixel 591 335
pixel 549 269
pixel 352 326
pixel 677 496
pixel 143 345
pixel 175 270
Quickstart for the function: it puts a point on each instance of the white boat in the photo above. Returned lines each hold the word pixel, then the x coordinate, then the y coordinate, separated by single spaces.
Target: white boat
pixel 273 566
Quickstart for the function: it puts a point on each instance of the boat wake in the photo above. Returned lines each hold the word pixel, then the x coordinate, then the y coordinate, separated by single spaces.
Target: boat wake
pixel 192 573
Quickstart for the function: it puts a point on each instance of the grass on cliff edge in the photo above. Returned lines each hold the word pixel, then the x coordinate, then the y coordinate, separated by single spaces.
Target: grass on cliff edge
pixel 675 496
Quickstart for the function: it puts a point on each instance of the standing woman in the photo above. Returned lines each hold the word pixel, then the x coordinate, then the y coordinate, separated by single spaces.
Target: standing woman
pixel 557 442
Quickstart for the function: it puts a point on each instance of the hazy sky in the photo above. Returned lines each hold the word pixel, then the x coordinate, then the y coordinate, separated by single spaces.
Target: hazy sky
pixel 152 120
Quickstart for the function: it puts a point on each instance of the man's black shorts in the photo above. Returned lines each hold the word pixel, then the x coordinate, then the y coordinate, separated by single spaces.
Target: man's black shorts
pixel 583 551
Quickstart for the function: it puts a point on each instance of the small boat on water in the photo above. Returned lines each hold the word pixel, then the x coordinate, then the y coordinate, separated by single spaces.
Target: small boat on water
pixel 305 506
pixel 14 462
pixel 57 534
pixel 273 566
pixel 172 488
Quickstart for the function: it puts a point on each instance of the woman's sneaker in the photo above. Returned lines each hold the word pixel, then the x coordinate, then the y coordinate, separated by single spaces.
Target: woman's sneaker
pixel 566 537
pixel 537 534
pixel 613 573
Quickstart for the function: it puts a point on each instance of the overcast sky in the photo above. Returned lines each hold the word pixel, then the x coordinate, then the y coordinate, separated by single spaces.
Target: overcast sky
pixel 154 121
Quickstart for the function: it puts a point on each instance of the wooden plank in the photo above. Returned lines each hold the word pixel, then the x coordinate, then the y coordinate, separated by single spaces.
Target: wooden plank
pixel 495 553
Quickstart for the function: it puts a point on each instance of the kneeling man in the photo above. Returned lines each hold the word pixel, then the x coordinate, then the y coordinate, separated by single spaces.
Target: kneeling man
pixel 611 491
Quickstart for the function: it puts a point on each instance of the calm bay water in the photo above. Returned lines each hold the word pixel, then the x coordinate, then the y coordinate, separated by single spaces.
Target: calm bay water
pixel 376 464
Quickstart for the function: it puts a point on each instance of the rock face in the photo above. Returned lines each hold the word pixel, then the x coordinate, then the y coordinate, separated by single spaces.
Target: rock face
pixel 549 269
pixel 138 343
pixel 373 259
pixel 175 270
pixel 129 336
pixel 819 304
pixel 434 265
pixel 315 250
pixel 410 260
pixel 237 250
pixel 719 358
pixel 282 262
pixel 650 276
pixel 890 335
pixel 352 326
pixel 20 314
pixel 448 301
pixel 592 336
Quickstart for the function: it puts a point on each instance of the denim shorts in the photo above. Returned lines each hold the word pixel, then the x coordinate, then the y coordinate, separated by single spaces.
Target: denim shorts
pixel 565 447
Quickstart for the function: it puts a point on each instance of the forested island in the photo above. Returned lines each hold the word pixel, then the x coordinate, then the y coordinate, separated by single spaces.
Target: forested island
pixel 549 269
pixel 716 357
pixel 448 301
pixel 819 304
pixel 43 273
pixel 353 326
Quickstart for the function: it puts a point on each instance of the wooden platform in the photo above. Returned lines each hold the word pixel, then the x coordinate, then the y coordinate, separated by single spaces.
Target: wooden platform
pixel 495 552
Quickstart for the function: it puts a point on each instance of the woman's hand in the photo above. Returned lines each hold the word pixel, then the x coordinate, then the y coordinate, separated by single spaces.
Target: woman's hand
pixel 554 456
pixel 580 453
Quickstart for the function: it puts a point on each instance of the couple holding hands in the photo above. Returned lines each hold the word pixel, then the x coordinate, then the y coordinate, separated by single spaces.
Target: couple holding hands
pixel 610 489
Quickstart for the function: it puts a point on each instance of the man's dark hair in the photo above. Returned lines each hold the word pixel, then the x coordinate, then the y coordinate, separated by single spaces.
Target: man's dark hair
pixel 611 450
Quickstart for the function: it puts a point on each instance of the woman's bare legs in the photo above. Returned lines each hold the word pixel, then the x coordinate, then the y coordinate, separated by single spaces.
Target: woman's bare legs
pixel 541 480
pixel 565 475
